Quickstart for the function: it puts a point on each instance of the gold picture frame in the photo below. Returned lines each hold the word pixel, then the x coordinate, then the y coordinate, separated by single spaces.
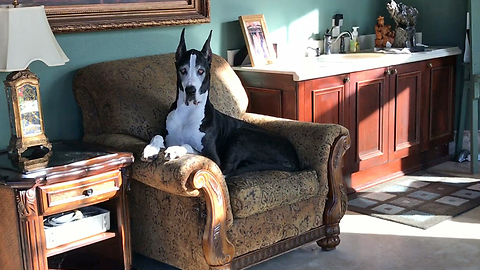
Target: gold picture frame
pixel 67 16
pixel 255 32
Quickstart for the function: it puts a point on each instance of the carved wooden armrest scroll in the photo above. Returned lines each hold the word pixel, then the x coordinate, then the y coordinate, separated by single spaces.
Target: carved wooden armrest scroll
pixel 336 204
pixel 216 246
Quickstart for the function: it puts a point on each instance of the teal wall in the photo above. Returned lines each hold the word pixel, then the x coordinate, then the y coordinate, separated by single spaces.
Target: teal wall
pixel 443 22
pixel 287 21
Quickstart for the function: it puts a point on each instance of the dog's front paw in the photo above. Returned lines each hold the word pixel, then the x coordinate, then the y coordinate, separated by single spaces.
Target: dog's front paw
pixel 174 152
pixel 150 152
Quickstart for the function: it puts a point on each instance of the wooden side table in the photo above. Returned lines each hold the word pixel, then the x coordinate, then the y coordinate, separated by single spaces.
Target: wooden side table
pixel 74 176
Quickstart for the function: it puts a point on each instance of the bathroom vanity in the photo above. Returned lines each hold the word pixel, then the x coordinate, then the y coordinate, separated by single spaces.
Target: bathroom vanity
pixel 399 108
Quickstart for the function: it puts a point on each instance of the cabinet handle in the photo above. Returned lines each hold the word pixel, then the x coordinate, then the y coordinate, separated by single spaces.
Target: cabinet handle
pixel 346 80
pixel 388 72
pixel 88 192
pixel 395 71
pixel 430 65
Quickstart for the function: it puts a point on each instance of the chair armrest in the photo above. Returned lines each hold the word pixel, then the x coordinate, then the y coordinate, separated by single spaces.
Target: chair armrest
pixel 169 176
pixel 191 176
pixel 175 176
pixel 312 141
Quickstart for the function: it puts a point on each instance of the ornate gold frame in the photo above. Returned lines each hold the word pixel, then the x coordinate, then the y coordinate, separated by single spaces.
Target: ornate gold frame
pixel 94 17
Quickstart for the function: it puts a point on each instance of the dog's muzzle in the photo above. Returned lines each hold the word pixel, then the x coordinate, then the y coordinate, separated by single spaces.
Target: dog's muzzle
pixel 190 95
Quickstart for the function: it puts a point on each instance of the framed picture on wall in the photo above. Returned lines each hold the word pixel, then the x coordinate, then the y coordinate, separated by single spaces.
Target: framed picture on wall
pixel 94 15
pixel 257 41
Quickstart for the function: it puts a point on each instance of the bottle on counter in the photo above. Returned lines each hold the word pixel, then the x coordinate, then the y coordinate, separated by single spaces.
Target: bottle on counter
pixel 354 43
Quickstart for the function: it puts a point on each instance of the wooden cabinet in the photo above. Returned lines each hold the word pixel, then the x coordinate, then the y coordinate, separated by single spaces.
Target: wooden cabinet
pixel 404 110
pixel 438 101
pixel 75 176
pixel 400 117
pixel 369 129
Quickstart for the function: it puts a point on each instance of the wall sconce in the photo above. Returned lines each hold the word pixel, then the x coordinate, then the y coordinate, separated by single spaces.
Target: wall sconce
pixel 26 36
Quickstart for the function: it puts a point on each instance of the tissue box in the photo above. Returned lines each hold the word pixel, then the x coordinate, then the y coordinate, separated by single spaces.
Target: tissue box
pixel 95 220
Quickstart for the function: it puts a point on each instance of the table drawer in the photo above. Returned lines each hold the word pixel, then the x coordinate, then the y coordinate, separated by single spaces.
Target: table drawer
pixel 60 197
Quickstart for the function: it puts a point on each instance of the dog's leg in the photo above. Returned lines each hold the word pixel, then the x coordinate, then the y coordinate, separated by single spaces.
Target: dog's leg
pixel 150 152
pixel 178 151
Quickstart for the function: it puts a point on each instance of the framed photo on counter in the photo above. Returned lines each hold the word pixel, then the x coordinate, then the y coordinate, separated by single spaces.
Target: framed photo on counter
pixel 260 49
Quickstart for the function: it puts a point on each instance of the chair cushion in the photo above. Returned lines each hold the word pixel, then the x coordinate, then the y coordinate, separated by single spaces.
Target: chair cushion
pixel 257 192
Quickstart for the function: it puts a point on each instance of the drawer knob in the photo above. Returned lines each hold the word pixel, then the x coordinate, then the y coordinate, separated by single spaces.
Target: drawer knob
pixel 430 65
pixel 88 192
pixel 346 80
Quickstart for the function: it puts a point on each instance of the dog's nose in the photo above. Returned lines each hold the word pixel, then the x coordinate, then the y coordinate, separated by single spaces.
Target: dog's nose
pixel 190 90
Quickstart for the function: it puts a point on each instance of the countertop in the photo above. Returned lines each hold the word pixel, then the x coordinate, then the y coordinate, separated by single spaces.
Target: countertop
pixel 306 68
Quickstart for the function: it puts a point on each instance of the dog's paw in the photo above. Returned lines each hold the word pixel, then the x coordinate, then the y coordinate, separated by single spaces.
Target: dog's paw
pixel 174 152
pixel 150 152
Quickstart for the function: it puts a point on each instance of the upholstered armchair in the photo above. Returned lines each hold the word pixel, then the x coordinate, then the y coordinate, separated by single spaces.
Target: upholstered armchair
pixel 184 212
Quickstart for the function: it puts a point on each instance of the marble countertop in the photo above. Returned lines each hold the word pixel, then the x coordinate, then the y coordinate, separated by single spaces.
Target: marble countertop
pixel 306 68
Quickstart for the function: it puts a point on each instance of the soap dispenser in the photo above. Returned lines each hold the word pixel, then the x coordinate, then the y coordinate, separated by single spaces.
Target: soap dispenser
pixel 354 43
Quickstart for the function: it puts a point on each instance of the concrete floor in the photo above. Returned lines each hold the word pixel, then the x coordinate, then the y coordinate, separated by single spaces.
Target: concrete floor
pixel 369 243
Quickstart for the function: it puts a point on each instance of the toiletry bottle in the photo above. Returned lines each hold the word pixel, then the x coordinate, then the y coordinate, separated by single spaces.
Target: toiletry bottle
pixel 354 44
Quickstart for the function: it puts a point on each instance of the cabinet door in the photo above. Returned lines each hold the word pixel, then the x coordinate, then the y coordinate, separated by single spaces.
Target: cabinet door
pixel 404 107
pixel 438 106
pixel 271 93
pixel 264 101
pixel 326 100
pixel 370 117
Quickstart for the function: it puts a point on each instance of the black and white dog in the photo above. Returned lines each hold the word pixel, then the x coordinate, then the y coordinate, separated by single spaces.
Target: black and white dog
pixel 194 126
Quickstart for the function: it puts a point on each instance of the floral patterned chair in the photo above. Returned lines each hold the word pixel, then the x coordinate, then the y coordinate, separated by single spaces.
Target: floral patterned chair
pixel 183 212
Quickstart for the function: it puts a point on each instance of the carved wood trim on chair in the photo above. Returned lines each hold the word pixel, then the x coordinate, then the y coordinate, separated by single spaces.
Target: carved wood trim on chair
pixel 218 249
pixel 279 248
pixel 335 207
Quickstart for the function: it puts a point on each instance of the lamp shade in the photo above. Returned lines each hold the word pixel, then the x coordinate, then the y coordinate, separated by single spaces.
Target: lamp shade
pixel 25 36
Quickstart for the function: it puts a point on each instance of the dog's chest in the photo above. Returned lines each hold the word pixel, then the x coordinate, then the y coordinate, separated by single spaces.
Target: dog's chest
pixel 183 126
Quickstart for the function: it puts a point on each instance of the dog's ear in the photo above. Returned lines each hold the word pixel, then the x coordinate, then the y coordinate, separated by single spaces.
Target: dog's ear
pixel 181 46
pixel 206 50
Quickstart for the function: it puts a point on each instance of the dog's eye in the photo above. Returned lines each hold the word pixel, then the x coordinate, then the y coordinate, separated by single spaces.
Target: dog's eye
pixel 183 71
pixel 201 71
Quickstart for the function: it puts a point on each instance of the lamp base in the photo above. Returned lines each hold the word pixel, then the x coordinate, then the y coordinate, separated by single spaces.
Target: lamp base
pixel 18 146
pixel 22 89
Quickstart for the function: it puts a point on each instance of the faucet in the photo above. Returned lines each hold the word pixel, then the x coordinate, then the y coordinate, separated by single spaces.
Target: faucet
pixel 317 50
pixel 327 40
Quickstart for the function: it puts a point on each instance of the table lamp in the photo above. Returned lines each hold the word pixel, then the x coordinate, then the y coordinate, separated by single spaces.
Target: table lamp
pixel 26 36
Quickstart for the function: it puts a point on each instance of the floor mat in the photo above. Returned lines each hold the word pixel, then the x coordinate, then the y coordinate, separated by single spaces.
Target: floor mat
pixel 422 199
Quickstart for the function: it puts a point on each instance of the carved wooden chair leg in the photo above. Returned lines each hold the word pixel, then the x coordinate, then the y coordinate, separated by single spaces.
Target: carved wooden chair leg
pixel 217 248
pixel 332 238
pixel 336 199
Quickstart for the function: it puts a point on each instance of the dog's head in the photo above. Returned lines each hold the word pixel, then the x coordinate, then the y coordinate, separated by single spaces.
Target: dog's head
pixel 193 72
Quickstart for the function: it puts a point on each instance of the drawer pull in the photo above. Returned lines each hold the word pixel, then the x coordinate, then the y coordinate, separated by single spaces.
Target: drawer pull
pixel 88 192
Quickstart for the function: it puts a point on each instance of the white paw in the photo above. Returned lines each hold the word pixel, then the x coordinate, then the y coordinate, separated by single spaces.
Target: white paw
pixel 174 152
pixel 150 152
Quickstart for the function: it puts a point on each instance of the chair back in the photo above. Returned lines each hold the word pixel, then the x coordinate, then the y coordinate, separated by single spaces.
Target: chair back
pixel 133 96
